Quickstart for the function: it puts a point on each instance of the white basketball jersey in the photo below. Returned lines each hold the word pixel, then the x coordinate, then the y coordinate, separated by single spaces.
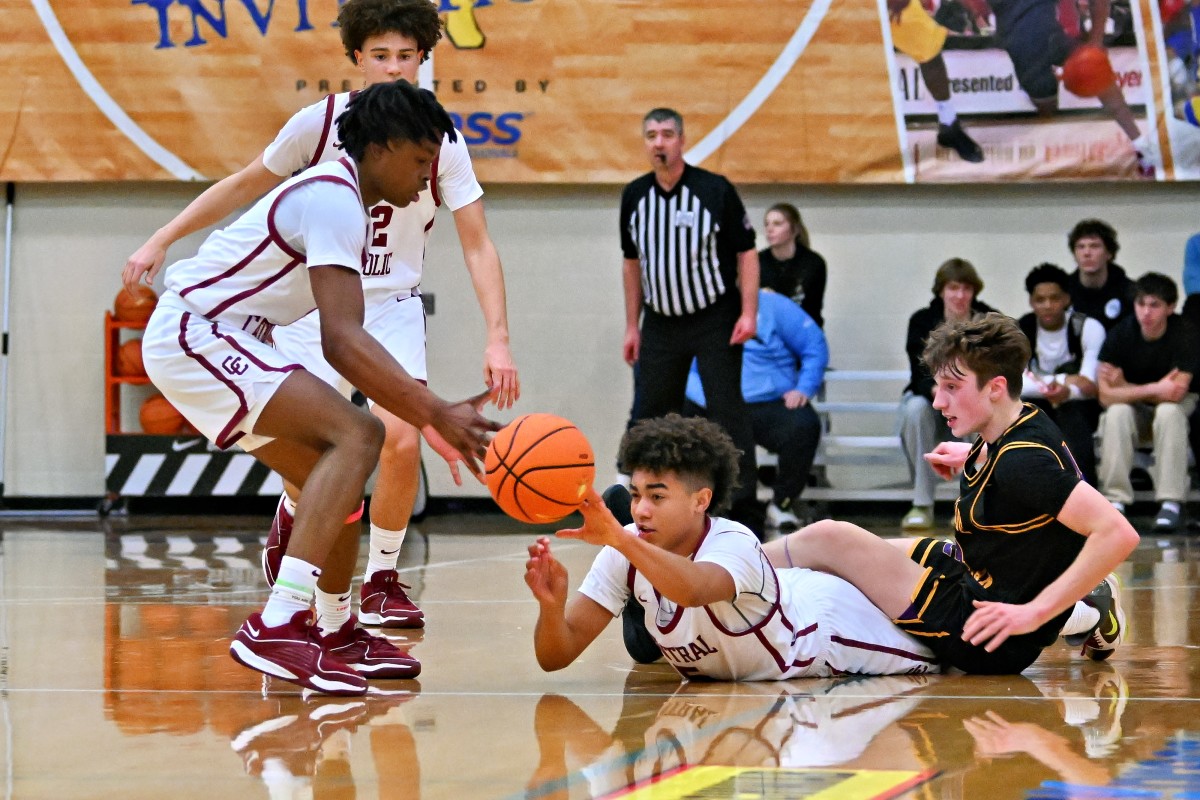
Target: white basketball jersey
pixel 761 633
pixel 256 270
pixel 396 249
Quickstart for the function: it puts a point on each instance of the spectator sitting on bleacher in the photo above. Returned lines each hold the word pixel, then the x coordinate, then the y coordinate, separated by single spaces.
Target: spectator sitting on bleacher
pixel 1146 372
pixel 782 370
pixel 1191 312
pixel 1099 286
pixel 955 289
pixel 789 265
pixel 1061 378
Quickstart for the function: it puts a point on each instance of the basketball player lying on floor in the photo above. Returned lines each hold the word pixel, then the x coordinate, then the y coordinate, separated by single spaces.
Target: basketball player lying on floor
pixel 1035 543
pixel 205 348
pixel 713 602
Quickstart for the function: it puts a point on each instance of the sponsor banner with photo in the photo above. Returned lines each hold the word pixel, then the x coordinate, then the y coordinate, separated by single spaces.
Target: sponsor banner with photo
pixel 791 91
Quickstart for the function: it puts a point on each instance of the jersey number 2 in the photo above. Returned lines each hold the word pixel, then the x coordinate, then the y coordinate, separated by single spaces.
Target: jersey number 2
pixel 381 217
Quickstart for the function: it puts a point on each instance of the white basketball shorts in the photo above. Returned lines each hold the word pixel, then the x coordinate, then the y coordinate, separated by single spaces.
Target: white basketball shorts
pixel 397 323
pixel 861 639
pixel 218 376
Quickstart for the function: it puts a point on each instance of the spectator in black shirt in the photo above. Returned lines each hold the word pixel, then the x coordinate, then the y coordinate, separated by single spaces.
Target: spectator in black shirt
pixel 1099 287
pixel 1147 366
pixel 789 265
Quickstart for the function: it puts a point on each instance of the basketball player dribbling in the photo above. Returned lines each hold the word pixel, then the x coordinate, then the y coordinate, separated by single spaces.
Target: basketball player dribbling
pixel 206 349
pixel 387 40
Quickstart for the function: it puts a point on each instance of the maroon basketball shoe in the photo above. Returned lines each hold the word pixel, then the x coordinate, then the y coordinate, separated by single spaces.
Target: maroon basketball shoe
pixel 372 656
pixel 277 541
pixel 383 602
pixel 293 652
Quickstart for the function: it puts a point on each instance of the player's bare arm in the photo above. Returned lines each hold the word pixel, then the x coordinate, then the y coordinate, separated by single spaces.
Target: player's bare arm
pixel 1110 540
pixel 631 277
pixel 563 630
pixel 1099 21
pixel 947 458
pixel 748 281
pixel 676 577
pixel 487 276
pixel 213 205
pixel 367 365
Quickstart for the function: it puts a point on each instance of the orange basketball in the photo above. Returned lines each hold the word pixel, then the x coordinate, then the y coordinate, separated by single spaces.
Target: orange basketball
pixel 129 360
pixel 1088 72
pixel 538 468
pixel 136 305
pixel 157 415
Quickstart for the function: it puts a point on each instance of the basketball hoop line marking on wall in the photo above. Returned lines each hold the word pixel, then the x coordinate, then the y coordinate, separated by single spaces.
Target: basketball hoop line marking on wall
pixel 109 107
pixel 764 88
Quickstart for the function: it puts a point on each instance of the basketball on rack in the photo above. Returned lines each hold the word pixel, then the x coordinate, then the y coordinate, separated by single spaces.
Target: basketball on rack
pixel 538 468
pixel 1087 72
pixel 134 305
pixel 129 360
pixel 158 416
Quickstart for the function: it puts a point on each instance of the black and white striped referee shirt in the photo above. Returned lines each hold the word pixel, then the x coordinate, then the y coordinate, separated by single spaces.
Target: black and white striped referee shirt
pixel 687 240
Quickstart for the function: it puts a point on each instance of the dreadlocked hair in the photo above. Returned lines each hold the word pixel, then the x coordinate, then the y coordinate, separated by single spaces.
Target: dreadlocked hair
pixel 388 112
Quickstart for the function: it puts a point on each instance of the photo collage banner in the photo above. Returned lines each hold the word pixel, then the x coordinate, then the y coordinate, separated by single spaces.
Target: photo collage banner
pixel 553 91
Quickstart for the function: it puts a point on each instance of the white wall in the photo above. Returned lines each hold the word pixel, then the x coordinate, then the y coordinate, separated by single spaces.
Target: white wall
pixel 559 246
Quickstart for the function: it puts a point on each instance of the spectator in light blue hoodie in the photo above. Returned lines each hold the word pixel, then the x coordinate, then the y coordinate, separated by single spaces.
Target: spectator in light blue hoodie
pixel 782 370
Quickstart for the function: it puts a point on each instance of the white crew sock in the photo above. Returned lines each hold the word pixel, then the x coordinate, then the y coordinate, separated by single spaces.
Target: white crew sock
pixel 946 113
pixel 332 611
pixel 293 591
pixel 1083 619
pixel 384 550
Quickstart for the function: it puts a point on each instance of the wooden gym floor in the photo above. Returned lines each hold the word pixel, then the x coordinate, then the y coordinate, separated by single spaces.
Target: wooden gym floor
pixel 116 683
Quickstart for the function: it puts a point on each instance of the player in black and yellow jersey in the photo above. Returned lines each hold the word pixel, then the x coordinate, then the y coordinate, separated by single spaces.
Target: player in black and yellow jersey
pixel 1032 539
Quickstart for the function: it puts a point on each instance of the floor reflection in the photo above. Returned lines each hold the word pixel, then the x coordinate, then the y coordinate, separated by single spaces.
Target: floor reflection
pixel 123 633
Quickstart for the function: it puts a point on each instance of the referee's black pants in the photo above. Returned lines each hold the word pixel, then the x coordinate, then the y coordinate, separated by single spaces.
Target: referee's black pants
pixel 667 348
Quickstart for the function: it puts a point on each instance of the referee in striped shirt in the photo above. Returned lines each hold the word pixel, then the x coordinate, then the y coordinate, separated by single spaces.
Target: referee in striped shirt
pixel 691 281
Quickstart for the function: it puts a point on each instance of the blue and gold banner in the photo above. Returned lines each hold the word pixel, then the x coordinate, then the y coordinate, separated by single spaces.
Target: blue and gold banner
pixel 795 91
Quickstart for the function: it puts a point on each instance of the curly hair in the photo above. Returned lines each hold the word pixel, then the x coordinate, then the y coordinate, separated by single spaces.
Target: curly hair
pixel 988 346
pixel 1048 273
pixel 696 449
pixel 388 112
pixel 1097 228
pixel 362 19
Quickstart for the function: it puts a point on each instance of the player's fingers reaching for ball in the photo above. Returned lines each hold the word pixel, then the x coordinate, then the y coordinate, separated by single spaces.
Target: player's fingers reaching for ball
pixel 451 456
pixel 466 431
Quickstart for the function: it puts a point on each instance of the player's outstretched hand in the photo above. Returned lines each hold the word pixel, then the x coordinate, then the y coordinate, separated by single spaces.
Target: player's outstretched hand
pixel 500 375
pixel 145 262
pixel 599 527
pixel 465 430
pixel 545 575
pixel 990 624
pixel 451 456
pixel 947 458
